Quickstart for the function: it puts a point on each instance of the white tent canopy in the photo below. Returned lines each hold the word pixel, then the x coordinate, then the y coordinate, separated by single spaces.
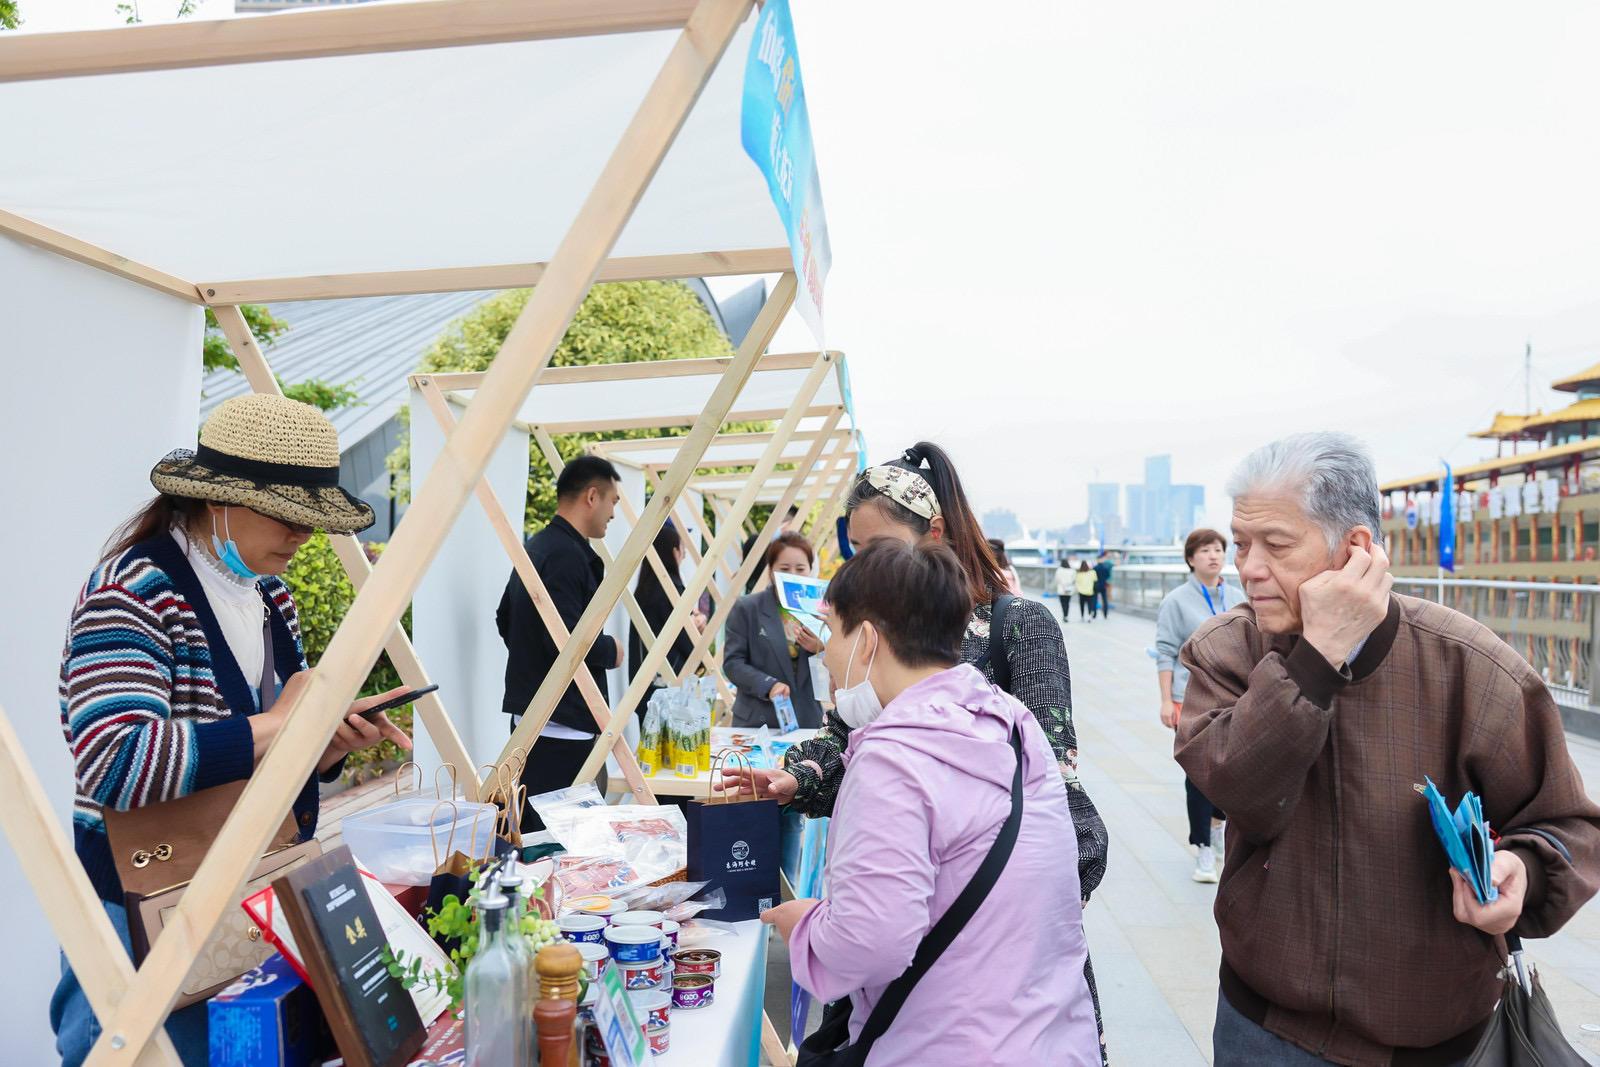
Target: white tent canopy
pixel 408 160
pixel 344 152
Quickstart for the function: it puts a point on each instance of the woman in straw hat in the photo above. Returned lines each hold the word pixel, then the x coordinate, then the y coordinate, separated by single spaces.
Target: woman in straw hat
pixel 184 647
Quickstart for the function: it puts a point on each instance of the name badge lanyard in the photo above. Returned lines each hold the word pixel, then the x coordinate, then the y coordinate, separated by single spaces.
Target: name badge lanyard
pixel 1222 597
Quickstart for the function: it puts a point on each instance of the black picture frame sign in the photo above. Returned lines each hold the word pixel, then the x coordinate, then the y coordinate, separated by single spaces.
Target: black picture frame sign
pixel 372 1016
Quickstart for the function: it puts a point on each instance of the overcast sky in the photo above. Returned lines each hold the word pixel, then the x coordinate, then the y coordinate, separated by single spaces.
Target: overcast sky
pixel 1070 235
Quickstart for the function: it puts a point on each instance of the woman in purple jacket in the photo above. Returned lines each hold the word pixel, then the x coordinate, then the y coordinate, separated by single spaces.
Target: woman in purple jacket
pixel 929 787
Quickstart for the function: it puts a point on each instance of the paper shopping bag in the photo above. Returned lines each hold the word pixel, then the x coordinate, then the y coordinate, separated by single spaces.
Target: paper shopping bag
pixel 734 844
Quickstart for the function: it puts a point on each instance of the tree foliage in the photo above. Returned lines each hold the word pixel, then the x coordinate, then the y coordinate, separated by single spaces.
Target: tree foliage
pixel 322 595
pixel 10 15
pixel 618 322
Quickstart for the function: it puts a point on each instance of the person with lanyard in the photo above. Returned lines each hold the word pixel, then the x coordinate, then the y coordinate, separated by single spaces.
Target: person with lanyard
pixel 919 496
pixel 768 655
pixel 1182 612
pixel 183 656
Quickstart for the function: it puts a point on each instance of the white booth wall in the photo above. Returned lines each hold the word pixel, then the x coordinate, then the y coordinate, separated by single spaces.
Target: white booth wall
pixel 452 614
pixel 103 380
pixel 632 488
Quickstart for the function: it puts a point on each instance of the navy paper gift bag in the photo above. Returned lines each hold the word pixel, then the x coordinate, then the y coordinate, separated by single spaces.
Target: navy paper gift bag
pixel 734 844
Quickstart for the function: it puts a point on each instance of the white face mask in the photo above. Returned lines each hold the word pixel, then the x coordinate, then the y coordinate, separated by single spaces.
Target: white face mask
pixel 858 704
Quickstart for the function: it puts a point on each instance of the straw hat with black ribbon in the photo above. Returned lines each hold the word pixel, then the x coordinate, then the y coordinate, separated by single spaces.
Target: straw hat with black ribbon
pixel 271 454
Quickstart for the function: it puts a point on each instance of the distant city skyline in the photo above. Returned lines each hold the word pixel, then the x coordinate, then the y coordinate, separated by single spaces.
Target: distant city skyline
pixel 1156 509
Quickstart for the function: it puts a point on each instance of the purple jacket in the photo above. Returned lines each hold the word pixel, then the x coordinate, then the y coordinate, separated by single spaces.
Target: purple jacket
pixel 927 787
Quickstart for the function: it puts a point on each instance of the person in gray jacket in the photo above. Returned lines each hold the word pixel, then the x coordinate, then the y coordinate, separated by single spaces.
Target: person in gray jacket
pixel 767 654
pixel 1182 612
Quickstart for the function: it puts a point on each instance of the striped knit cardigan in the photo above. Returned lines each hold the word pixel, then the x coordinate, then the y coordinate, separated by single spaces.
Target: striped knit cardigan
pixel 153 704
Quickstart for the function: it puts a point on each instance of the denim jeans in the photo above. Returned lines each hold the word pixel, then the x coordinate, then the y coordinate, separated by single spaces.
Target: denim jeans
pixel 1201 812
pixel 77 1029
pixel 1238 1042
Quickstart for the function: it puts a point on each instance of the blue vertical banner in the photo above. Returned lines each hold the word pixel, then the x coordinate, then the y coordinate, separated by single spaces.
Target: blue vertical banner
pixel 1447 522
pixel 776 131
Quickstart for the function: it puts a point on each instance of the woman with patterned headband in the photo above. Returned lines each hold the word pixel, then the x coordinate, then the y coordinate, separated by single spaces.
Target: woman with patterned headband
pixel 920 495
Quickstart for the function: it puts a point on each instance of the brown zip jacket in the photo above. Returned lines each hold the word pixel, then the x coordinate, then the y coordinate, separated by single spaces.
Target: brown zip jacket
pixel 1335 902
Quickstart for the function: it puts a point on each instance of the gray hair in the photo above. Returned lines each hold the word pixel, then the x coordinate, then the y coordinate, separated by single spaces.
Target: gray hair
pixel 1331 472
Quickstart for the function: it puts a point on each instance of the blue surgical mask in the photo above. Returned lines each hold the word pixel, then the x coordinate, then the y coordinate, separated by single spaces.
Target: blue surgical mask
pixel 228 552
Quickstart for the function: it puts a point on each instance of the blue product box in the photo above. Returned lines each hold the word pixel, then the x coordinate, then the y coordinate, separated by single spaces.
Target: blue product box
pixel 268 1018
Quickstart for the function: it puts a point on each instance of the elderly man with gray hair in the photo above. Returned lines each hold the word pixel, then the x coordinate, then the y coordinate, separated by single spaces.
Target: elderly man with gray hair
pixel 1312 714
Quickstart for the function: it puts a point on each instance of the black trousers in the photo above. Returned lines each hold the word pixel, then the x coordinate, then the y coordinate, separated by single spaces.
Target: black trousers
pixel 553 763
pixel 1201 812
pixel 1066 606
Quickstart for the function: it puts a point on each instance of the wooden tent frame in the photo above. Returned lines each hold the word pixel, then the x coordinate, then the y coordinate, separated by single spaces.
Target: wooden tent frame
pixel 132 1004
pixel 621 452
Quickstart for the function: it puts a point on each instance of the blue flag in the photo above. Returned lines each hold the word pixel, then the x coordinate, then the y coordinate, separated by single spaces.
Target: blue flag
pixel 1447 522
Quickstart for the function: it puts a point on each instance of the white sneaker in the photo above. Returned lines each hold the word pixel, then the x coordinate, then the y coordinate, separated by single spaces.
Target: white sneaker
pixel 1205 865
pixel 1217 830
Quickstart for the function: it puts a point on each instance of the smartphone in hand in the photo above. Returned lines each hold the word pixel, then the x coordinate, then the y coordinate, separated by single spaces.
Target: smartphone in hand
pixel 400 701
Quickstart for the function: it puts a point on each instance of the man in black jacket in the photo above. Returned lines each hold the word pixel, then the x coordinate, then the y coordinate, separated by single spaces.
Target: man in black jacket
pixel 586 496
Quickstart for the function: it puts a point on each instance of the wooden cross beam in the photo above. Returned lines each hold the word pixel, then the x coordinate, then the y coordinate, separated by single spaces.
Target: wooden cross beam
pixel 655 512
pixel 719 545
pixel 774 520
pixel 517 552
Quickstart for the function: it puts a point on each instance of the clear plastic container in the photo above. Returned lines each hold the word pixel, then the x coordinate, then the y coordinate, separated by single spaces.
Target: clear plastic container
pixel 404 841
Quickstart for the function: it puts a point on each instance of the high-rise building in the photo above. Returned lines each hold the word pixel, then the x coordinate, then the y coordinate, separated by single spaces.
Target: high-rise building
pixel 1188 501
pixel 1158 472
pixel 1103 503
pixel 1001 523
pixel 1136 511
pixel 1159 511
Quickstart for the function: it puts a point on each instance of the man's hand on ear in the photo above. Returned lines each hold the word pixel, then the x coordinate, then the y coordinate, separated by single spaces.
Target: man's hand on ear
pixel 1340 608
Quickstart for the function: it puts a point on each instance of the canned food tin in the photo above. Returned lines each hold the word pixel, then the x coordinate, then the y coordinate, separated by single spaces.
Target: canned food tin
pixel 707 961
pixel 594 958
pixel 660 1038
pixel 581 927
pixel 646 975
pixel 639 918
pixel 654 1007
pixel 670 928
pixel 595 904
pixel 633 944
pixel 692 991
pixel 586 1006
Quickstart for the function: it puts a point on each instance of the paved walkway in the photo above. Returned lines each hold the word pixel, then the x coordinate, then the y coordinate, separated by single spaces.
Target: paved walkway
pixel 1150 926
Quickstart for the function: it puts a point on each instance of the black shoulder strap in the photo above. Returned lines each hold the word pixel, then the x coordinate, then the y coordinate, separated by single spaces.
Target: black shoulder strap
pixel 996 653
pixel 954 920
